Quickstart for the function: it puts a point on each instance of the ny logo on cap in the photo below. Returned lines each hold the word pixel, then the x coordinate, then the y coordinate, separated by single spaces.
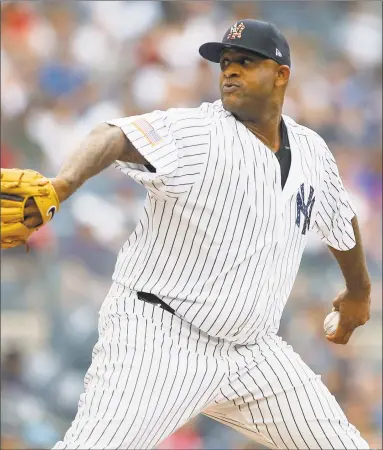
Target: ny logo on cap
pixel 236 31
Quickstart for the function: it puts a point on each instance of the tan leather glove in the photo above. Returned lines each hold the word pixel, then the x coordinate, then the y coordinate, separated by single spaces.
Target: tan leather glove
pixel 17 187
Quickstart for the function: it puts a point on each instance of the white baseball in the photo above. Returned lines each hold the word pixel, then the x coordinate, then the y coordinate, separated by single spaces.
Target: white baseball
pixel 331 322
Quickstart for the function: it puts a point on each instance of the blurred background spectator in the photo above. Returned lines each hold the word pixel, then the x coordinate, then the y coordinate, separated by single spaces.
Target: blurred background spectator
pixel 65 67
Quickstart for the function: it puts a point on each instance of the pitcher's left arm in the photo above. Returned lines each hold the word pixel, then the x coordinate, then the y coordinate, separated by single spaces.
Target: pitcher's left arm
pixel 337 225
pixel 353 303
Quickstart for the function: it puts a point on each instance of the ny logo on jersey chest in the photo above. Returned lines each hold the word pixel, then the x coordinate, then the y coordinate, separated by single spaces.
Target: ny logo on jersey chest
pixel 304 209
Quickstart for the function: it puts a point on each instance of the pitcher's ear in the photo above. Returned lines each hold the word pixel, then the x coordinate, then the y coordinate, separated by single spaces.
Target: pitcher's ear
pixel 283 75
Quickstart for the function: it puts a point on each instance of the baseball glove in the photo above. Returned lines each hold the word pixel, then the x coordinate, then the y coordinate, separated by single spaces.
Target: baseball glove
pixel 17 187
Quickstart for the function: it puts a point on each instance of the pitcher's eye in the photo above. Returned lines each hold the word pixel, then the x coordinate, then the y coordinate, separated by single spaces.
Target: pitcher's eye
pixel 224 63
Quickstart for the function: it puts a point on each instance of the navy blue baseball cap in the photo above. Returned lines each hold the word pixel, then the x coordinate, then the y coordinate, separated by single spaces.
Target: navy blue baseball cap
pixel 256 36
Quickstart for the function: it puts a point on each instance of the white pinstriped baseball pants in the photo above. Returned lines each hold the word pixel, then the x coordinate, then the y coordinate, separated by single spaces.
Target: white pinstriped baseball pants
pixel 151 372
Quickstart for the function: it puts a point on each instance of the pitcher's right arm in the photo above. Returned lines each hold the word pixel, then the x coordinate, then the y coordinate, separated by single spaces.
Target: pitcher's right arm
pixel 103 145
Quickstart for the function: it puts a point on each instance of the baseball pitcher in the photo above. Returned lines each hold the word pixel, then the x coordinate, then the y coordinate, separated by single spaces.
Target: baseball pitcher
pixel 190 324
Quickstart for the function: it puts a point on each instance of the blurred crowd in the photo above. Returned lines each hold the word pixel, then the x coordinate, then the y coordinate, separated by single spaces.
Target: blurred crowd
pixel 65 67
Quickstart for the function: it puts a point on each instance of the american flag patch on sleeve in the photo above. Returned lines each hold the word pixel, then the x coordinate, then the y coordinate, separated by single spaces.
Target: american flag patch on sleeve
pixel 147 130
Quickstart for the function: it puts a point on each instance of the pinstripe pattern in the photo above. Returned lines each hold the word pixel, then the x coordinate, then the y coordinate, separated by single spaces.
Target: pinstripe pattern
pixel 146 385
pixel 218 241
pixel 281 403
pixel 153 371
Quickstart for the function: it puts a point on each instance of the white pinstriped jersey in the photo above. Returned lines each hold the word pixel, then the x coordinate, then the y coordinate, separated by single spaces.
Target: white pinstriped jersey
pixel 220 241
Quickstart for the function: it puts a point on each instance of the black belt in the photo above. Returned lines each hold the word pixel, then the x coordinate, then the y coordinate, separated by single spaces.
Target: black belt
pixel 154 300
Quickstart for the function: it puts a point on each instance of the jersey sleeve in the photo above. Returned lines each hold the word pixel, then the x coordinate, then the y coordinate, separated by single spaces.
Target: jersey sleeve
pixel 335 210
pixel 161 137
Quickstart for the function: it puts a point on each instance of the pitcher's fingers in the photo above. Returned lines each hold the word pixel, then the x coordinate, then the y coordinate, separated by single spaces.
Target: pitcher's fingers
pixel 336 303
pixel 342 330
pixel 340 337
pixel 31 210
pixel 32 222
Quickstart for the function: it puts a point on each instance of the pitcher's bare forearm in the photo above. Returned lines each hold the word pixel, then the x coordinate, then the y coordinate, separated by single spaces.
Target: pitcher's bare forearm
pixel 99 149
pixel 353 263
